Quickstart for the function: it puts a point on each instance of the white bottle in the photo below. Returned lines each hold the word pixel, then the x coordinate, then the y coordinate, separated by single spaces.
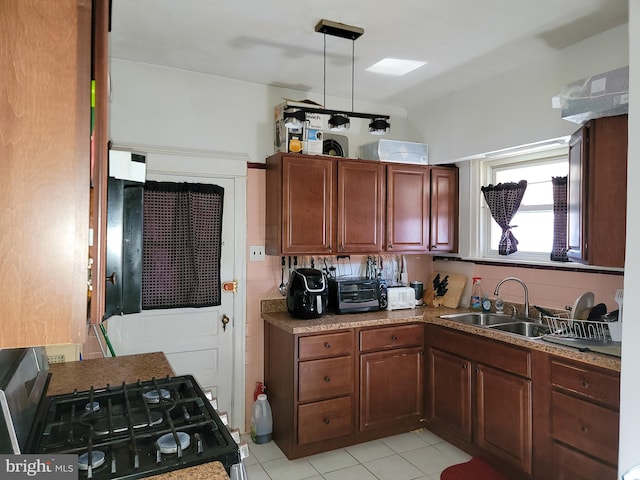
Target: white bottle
pixel 261 420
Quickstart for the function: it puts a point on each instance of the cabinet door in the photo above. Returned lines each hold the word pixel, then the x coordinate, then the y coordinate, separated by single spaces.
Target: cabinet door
pixel 444 209
pixel 576 195
pixel 391 387
pixel 308 204
pixel 449 392
pixel 45 62
pixel 361 195
pixel 504 416
pixel 407 208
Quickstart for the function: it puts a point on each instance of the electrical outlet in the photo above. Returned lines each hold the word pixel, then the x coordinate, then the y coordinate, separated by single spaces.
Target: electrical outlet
pixel 55 358
pixel 256 253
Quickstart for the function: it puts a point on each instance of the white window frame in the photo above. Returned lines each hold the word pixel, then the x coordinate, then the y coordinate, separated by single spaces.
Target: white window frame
pixel 474 221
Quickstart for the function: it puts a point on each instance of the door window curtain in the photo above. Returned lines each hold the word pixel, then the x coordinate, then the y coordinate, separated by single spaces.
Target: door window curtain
pixel 181 245
pixel 504 200
pixel 559 252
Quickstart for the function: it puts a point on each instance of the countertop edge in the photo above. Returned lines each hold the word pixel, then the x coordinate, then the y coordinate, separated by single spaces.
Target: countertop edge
pixel 430 315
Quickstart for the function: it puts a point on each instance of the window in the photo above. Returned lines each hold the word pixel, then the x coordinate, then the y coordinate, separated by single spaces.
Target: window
pixel 533 223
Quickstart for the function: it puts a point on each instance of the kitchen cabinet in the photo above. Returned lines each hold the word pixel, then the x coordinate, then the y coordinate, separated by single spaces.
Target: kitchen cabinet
pixel 391 376
pixel 597 192
pixel 407 208
pixel 319 384
pixel 480 392
pixel 443 194
pixel 46 63
pixel 361 200
pixel 301 204
pixel 309 381
pixel 328 205
pixel 584 408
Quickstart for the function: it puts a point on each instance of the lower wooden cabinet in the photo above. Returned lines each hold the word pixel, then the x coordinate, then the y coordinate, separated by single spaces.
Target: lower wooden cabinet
pixel 449 392
pixel 584 405
pixel 391 373
pixel 328 390
pixel 479 392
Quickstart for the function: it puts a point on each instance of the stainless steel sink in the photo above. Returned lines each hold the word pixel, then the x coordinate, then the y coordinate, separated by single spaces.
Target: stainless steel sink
pixel 479 318
pixel 525 329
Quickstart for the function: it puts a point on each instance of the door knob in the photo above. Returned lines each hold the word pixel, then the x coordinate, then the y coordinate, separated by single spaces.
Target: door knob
pixel 225 320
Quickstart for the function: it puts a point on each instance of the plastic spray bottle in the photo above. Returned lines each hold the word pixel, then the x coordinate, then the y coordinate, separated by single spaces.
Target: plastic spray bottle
pixel 476 294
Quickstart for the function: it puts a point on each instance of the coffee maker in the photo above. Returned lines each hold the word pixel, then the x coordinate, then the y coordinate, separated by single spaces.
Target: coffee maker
pixel 307 293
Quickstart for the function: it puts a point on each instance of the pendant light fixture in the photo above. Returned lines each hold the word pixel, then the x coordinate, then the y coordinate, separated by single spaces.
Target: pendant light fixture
pixel 339 120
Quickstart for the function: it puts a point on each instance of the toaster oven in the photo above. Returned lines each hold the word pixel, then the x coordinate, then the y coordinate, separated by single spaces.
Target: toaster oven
pixel 356 294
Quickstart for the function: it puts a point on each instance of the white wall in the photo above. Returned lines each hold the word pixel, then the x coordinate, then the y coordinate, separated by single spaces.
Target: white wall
pixel 515 108
pixel 161 106
pixel 630 388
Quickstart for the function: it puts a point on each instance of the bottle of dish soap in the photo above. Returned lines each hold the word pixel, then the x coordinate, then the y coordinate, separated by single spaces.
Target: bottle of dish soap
pixel 476 294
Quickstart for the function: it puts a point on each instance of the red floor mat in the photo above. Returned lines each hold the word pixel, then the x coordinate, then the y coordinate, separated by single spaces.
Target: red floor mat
pixel 474 469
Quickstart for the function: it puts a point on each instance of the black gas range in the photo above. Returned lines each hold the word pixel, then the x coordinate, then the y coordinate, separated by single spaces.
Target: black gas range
pixel 133 430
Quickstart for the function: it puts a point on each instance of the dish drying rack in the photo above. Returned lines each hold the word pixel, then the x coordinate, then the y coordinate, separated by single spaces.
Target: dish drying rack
pixel 565 327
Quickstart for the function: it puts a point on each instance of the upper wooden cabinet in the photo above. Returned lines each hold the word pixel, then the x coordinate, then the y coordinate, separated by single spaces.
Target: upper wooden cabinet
pixel 407 208
pixel 300 204
pixel 45 64
pixel 597 192
pixel 361 199
pixel 443 233
pixel 328 205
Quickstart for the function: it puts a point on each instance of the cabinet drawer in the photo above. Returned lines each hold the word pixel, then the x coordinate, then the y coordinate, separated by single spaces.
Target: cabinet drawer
pixel 328 345
pixel 596 385
pixel 325 378
pixel 585 426
pixel 570 464
pixel 324 420
pixel 391 337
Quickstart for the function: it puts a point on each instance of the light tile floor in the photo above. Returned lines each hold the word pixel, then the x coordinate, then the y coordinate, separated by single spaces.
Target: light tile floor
pixel 418 455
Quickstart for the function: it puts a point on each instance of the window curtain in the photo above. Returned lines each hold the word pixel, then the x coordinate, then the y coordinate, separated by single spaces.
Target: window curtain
pixel 559 252
pixel 181 245
pixel 504 200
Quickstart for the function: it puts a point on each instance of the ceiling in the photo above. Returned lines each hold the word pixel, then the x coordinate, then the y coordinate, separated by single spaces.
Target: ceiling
pixel 274 42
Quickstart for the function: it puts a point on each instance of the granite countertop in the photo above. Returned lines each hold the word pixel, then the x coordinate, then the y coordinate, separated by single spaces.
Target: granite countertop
pixel 274 312
pixel 99 372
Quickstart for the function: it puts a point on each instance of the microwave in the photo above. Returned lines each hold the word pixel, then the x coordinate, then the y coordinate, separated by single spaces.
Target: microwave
pixel 356 294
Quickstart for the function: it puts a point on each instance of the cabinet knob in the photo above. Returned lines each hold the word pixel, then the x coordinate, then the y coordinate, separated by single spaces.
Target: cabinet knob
pixel 390 246
pixel 326 421
pixel 327 378
pixel 394 338
pixel 584 429
pixel 585 384
pixel 112 278
pixel 327 345
pixel 464 366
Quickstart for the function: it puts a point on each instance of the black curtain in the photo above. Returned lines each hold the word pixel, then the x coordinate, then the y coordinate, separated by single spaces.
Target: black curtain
pixel 504 200
pixel 559 252
pixel 181 243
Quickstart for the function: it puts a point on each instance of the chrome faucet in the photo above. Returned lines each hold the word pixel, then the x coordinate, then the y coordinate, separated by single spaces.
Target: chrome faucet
pixel 526 291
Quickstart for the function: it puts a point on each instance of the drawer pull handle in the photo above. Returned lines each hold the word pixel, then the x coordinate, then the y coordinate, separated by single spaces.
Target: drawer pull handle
pixel 327 379
pixel 584 429
pixel 327 345
pixel 585 384
pixel 394 338
pixel 326 421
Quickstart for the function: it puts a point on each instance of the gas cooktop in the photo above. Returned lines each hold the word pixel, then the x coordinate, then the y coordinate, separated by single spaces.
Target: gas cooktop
pixel 134 430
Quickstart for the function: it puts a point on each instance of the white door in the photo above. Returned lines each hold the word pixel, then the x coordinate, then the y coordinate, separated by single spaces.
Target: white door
pixel 196 341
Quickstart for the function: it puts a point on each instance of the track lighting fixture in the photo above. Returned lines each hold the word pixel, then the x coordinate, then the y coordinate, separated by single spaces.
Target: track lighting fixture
pixel 379 126
pixel 339 120
pixel 294 117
